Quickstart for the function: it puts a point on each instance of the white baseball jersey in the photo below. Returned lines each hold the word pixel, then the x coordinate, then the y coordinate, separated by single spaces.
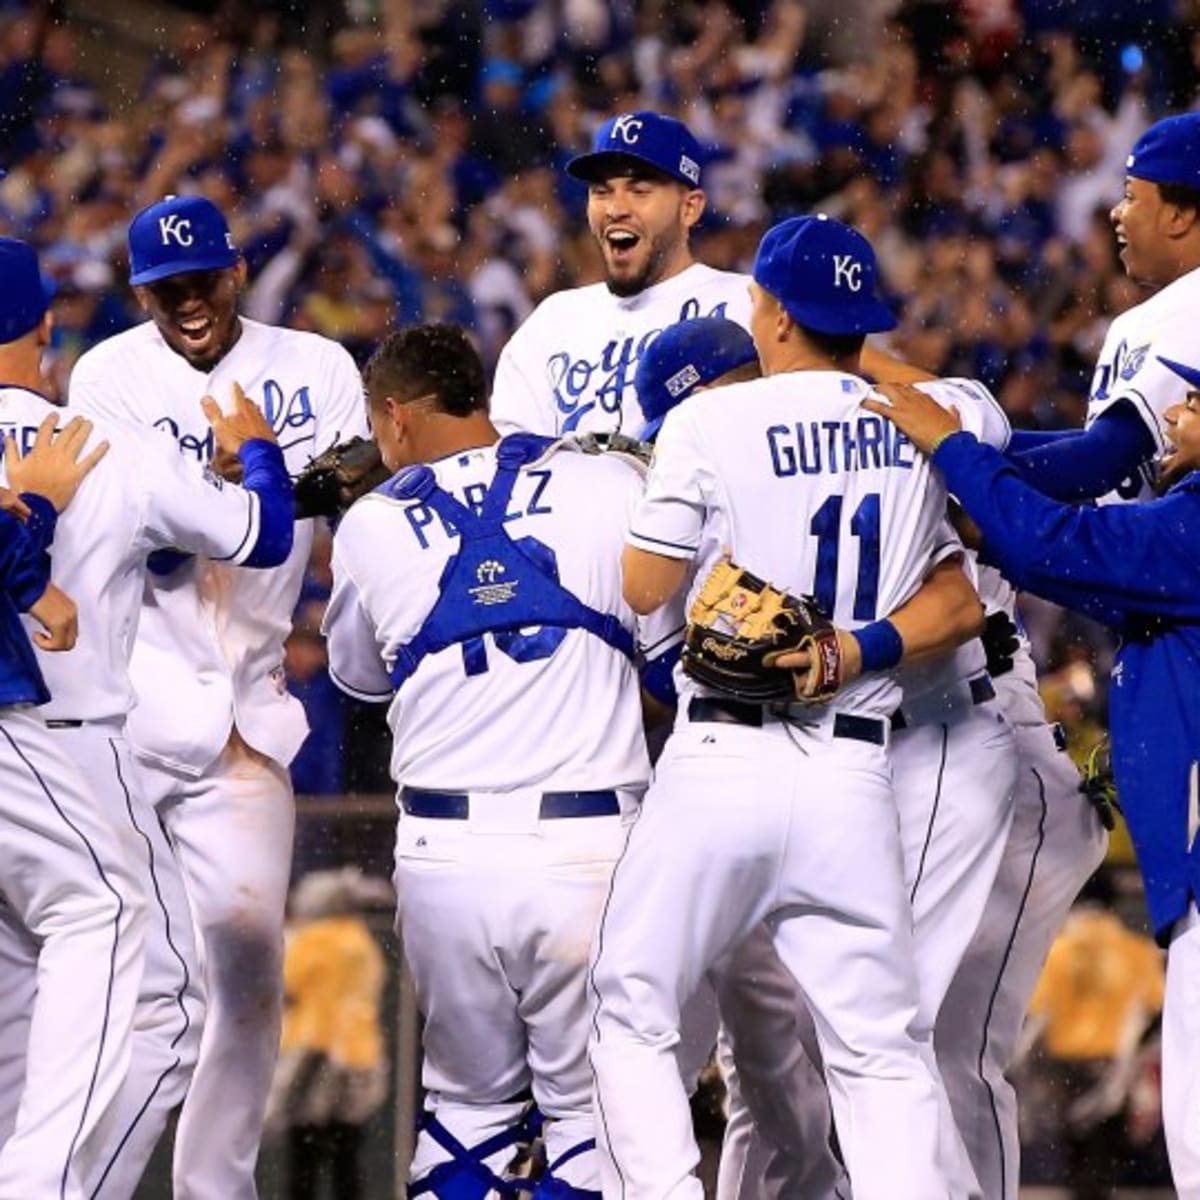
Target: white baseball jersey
pixel 981 415
pixel 789 477
pixel 209 652
pixel 557 709
pixel 1128 367
pixel 142 496
pixel 570 367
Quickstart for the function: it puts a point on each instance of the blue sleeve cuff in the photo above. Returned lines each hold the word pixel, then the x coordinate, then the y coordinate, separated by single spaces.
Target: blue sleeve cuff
pixel 43 519
pixel 265 474
pixel 881 645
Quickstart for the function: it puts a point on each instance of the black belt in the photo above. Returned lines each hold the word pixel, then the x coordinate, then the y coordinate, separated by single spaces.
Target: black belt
pixel 456 806
pixel 63 723
pixel 736 712
pixel 982 690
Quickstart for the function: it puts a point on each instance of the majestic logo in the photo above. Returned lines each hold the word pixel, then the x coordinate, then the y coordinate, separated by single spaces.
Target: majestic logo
pixel 682 380
pixel 177 228
pixel 848 268
pixel 628 128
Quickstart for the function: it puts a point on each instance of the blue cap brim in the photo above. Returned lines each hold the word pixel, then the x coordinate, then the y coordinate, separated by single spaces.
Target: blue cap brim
pixel 603 164
pixel 868 316
pixel 191 266
pixel 1190 374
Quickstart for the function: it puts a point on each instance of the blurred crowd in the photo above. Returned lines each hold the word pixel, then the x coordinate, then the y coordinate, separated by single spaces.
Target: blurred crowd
pixel 398 161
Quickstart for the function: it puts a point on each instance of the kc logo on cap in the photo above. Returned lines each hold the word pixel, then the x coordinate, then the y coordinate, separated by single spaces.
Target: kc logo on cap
pixel 823 273
pixel 646 137
pixel 177 236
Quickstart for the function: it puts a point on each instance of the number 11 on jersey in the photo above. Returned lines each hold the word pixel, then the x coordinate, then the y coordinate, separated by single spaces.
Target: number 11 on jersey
pixel 865 525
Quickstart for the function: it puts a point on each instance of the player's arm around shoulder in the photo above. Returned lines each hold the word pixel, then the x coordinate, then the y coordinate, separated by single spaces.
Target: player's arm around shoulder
pixel 356 663
pixel 187 507
pixel 665 528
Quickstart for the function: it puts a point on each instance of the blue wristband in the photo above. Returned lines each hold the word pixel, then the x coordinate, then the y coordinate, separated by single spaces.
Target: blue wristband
pixel 881 645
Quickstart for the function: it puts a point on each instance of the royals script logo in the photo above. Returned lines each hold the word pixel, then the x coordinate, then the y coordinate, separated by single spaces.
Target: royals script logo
pixel 606 381
pixel 290 416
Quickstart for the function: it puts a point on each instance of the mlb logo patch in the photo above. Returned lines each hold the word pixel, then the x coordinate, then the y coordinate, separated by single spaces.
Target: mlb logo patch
pixel 682 380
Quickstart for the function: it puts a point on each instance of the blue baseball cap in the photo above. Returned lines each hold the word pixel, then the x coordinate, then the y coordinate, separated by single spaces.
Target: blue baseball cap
pixel 176 236
pixel 647 137
pixel 685 356
pixel 24 297
pixel 1190 374
pixel 824 275
pixel 1168 152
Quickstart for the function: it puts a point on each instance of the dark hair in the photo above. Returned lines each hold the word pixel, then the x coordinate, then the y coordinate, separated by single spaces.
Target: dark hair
pixel 742 374
pixel 835 345
pixel 1181 194
pixel 429 360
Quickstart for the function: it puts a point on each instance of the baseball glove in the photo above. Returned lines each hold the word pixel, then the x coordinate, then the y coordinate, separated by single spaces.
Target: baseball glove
pixel 1000 643
pixel 739 625
pixel 335 479
pixel 1098 784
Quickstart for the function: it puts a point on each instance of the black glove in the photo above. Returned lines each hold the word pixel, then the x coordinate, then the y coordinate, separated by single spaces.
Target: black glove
pixel 335 479
pixel 1000 643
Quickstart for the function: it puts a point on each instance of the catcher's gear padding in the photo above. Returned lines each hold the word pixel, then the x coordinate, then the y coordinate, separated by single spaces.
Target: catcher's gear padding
pixel 739 624
pixel 335 479
pixel 552 1187
pixel 467 1176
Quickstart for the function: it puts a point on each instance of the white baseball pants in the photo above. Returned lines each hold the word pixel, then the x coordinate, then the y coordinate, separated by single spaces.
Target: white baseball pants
pixel 232 831
pixel 796 828
pixel 170 1007
pixel 73 915
pixel 1181 1056
pixel 497 914
pixel 1056 842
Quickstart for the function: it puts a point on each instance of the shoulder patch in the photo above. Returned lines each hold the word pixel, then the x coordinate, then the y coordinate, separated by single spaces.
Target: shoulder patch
pixel 1135 360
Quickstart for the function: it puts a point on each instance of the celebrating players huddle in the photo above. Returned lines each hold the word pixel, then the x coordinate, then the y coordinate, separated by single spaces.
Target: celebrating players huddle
pixel 848 861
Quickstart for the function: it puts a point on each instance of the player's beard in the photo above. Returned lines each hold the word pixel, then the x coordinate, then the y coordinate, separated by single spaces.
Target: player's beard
pixel 662 247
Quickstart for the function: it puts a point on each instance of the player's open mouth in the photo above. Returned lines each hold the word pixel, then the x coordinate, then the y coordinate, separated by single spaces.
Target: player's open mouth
pixel 197 332
pixel 621 244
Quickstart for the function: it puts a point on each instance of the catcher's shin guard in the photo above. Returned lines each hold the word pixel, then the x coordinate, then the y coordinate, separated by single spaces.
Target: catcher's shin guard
pixel 467 1176
pixel 551 1187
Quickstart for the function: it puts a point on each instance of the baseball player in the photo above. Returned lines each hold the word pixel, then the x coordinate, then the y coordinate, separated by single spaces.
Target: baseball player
pixel 145 497
pixel 1136 568
pixel 702 870
pixel 1158 231
pixel 570 367
pixel 499 637
pixel 1055 844
pixel 69 905
pixel 214 727
pixel 953 765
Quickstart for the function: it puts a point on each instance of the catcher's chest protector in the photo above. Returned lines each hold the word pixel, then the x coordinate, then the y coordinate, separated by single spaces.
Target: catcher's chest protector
pixel 494 583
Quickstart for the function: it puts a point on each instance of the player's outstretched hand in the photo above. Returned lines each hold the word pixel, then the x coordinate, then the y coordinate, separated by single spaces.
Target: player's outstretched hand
pixel 918 416
pixel 52 467
pixel 243 423
pixel 59 617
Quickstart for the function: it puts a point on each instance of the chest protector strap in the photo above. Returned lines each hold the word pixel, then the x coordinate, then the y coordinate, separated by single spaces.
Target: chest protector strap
pixel 494 583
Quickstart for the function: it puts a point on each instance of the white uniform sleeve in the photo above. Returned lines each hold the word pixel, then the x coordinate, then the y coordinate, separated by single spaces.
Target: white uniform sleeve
pixel 946 544
pixel 979 410
pixel 342 413
pixel 670 517
pixel 91 394
pixel 355 662
pixel 1142 380
pixel 521 396
pixel 185 506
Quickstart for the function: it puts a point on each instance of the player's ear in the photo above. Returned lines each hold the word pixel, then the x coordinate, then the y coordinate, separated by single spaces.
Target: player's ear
pixel 140 293
pixel 45 330
pixel 694 203
pixel 239 273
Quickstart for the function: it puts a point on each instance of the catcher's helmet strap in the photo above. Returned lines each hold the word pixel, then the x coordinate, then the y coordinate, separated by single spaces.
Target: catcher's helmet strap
pixel 496 584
